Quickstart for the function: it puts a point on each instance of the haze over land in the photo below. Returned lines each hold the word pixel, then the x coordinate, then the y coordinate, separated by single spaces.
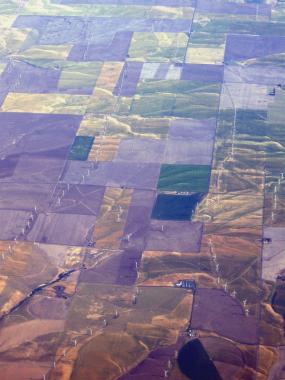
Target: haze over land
pixel 142 190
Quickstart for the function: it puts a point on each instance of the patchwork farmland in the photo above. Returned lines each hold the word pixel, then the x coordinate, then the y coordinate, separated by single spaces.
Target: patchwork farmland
pixel 142 189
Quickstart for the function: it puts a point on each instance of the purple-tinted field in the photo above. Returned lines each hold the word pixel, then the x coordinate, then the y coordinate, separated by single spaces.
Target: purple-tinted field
pixel 140 150
pixel 40 135
pixel 153 366
pixel 24 77
pixel 12 223
pixel 77 199
pixel 8 165
pixel 227 7
pixel 117 50
pixel 181 152
pixel 214 310
pixel 129 77
pixel 97 30
pixel 22 196
pixel 34 22
pixel 190 142
pixel 202 72
pixel 138 220
pixel 66 229
pixel 127 272
pixel 174 236
pixel 106 272
pixel 243 47
pixel 49 308
pixel 114 174
pixel 34 170
pixel 259 74
pixel 193 130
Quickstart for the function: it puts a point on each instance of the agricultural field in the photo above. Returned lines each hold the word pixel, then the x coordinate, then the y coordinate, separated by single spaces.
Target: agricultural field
pixel 142 189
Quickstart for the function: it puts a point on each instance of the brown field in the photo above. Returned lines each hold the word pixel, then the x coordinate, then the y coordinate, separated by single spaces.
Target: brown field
pixel 110 224
pixel 155 320
pixel 104 149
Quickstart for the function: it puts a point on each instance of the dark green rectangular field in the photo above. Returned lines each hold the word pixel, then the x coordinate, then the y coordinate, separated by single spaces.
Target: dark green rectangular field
pixel 190 178
pixel 80 148
pixel 175 207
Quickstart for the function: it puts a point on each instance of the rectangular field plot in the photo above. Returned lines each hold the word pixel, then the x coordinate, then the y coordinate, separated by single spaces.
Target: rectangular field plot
pixel 45 52
pixel 163 47
pixel 175 207
pixel 22 77
pixel 12 223
pixel 138 220
pixel 106 271
pixel 80 148
pixel 114 174
pixel 116 50
pixel 45 103
pixel 160 71
pixel 63 229
pixel 117 127
pixel 177 99
pixel 77 199
pixel 202 73
pixel 192 130
pixel 40 135
pixel 109 229
pixel 174 236
pixel 141 150
pixel 180 151
pixel 79 77
pixel 245 96
pixel 254 73
pixel 245 47
pixel 230 7
pixel 230 321
pixel 22 196
pixel 165 268
pixel 273 262
pixel 128 80
pixel 36 170
pixel 184 178
pixel 104 148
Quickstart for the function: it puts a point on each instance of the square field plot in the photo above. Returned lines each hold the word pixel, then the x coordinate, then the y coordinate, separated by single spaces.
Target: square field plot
pixel 12 222
pixel 175 207
pixel 174 236
pixel 63 229
pixel 215 310
pixel 184 178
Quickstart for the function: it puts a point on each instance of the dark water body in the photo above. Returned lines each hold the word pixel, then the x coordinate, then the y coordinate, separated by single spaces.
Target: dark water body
pixel 195 363
pixel 278 299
